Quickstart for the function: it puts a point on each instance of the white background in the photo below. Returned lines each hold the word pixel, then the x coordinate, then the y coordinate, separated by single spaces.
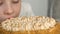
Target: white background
pixel 40 7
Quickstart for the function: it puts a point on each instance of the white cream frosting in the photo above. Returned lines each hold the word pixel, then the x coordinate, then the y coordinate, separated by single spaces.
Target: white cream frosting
pixel 28 23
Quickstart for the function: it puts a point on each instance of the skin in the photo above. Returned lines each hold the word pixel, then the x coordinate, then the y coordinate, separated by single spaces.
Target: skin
pixel 9 9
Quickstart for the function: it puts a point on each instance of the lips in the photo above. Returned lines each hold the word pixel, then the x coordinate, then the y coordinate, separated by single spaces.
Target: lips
pixel 8 17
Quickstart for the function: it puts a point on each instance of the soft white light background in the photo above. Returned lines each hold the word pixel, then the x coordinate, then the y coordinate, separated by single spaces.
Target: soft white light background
pixel 40 7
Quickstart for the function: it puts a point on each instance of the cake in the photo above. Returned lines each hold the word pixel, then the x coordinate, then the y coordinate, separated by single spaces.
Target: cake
pixel 30 25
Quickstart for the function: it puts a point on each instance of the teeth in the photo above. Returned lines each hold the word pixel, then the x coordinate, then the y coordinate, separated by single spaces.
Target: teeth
pixel 28 23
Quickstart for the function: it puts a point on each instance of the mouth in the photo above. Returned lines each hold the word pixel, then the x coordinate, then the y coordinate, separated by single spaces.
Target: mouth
pixel 8 17
pixel 4 18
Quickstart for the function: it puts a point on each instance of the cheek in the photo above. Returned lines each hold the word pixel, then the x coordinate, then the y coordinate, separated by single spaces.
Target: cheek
pixel 17 8
pixel 1 10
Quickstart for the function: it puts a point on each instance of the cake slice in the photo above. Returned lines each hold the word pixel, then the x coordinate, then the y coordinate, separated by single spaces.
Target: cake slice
pixel 29 25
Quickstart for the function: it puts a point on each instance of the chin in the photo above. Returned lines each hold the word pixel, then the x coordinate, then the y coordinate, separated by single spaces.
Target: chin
pixel 30 25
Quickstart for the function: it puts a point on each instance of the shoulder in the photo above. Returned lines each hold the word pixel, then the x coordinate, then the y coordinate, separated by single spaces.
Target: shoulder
pixel 25 4
pixel 26 9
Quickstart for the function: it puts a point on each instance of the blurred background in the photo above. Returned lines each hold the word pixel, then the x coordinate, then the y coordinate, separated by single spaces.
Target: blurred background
pixel 39 6
pixel 49 8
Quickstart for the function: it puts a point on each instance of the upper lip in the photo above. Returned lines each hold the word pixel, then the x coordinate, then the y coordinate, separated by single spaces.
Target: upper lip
pixel 9 16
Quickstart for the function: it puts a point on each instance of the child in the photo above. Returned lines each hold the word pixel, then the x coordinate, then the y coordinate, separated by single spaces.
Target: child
pixel 11 9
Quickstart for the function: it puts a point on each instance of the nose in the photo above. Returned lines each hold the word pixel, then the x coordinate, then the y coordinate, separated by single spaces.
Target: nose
pixel 8 10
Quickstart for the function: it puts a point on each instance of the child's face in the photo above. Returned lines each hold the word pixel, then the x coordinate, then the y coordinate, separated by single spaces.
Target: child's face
pixel 9 9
